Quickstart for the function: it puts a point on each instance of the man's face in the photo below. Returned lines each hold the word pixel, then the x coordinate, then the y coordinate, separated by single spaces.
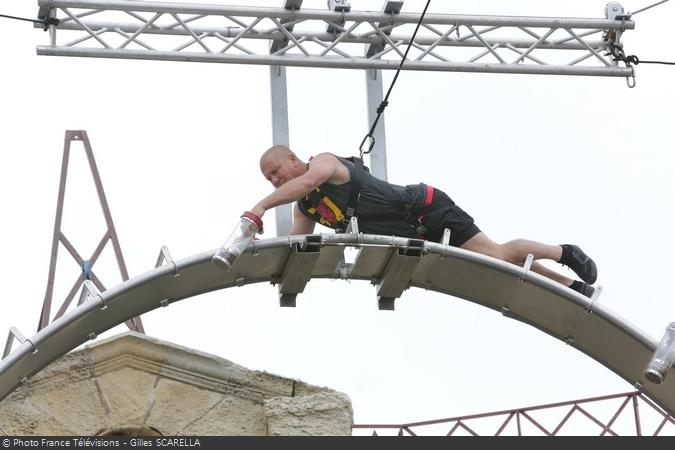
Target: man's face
pixel 278 169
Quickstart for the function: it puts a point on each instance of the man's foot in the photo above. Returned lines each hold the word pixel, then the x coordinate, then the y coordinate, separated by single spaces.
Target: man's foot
pixel 582 288
pixel 574 258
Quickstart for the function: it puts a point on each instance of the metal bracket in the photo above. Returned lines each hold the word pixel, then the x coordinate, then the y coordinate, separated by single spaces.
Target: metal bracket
pixel 614 11
pixel 446 237
pixel 298 270
pixel 89 290
pixel 291 5
pixel 14 333
pixel 342 6
pixel 353 227
pixel 389 7
pixel 397 273
pixel 594 299
pixel 86 269
pixel 526 267
pixel 165 255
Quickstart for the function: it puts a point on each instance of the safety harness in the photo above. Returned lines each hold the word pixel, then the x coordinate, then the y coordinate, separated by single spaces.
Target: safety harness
pixel 325 209
pixel 357 174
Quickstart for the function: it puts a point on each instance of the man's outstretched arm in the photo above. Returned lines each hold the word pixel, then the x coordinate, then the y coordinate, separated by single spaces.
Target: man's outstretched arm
pixel 320 170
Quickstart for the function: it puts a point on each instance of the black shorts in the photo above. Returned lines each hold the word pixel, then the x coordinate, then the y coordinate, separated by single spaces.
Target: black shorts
pixel 438 212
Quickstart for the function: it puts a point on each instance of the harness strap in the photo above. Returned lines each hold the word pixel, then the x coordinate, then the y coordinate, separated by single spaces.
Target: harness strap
pixel 357 174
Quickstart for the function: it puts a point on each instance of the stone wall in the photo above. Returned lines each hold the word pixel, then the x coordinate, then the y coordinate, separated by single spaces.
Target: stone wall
pixel 134 384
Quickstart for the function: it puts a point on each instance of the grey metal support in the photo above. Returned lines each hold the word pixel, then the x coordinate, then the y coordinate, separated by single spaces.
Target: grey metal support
pixel 280 136
pixel 15 334
pixel 378 157
pixel 341 6
pixel 88 291
pixel 374 91
pixel 397 273
pixel 110 235
pixel 165 256
pixel 298 270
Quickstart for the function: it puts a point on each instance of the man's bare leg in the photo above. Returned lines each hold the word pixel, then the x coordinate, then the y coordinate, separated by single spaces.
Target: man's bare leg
pixel 516 252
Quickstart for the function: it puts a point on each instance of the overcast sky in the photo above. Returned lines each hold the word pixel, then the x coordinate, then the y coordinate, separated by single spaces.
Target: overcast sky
pixel 556 159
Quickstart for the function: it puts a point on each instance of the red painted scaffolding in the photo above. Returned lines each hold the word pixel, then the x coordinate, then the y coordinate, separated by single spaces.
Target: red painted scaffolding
pixel 630 414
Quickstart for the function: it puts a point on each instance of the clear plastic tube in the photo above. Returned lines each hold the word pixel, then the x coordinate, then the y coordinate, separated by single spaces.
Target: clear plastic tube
pixel 236 244
pixel 663 358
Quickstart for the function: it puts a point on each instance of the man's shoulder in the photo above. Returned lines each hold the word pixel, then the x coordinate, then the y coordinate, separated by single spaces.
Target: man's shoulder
pixel 327 158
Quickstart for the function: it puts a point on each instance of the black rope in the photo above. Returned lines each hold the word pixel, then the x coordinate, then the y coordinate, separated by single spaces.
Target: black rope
pixel 619 55
pixel 44 22
pixel 385 102
pixel 638 61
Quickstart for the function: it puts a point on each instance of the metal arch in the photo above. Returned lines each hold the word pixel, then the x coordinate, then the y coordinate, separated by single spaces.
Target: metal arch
pixel 517 293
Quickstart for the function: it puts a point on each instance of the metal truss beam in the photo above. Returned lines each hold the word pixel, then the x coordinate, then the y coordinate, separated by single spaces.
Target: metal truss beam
pixel 332 39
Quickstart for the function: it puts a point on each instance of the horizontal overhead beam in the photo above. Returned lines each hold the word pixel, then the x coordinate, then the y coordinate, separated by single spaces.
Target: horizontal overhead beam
pixel 300 61
pixel 330 39
pixel 232 32
pixel 309 14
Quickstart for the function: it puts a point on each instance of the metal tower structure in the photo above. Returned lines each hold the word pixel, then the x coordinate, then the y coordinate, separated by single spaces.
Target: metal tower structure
pixel 87 278
pixel 336 38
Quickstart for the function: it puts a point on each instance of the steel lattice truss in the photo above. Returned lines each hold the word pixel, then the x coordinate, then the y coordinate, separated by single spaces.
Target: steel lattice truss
pixel 609 415
pixel 333 39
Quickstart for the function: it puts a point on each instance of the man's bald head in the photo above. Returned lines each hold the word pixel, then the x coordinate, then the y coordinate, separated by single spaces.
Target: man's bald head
pixel 276 152
pixel 279 164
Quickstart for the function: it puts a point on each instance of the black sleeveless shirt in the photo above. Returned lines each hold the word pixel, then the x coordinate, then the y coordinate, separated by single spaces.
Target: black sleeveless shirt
pixel 383 208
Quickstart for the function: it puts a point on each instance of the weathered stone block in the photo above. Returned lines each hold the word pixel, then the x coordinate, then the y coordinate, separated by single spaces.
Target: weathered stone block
pixel 325 414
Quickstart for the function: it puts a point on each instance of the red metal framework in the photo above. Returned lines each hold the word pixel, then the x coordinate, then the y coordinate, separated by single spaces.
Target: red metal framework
pixel 556 419
pixel 110 235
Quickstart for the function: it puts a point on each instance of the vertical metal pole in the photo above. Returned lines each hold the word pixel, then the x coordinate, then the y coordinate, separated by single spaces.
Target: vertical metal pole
pixel 378 157
pixel 280 136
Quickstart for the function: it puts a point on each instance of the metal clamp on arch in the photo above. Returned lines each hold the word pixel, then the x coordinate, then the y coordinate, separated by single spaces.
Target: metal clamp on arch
pixel 353 227
pixel 526 267
pixel 594 299
pixel 89 290
pixel 165 255
pixel 298 270
pixel 14 333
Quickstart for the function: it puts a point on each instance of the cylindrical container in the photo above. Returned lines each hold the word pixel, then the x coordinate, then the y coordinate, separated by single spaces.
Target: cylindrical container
pixel 663 358
pixel 249 225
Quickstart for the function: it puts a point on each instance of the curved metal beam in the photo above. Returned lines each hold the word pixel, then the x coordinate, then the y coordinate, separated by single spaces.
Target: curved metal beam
pixel 392 263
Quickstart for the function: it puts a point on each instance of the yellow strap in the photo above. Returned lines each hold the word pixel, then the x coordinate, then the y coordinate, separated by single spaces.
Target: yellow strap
pixel 333 207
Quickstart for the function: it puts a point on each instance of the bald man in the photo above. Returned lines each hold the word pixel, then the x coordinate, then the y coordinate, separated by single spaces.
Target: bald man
pixel 322 188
